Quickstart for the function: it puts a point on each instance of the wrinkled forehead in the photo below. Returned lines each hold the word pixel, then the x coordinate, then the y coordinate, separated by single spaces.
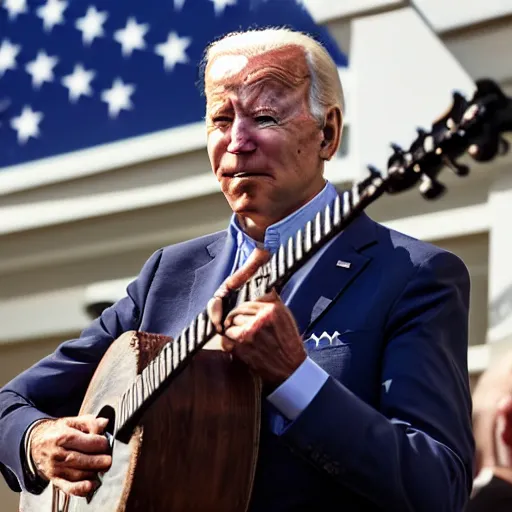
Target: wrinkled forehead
pixel 284 67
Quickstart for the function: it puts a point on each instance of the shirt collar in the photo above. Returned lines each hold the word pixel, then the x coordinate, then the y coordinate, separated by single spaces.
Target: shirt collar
pixel 281 231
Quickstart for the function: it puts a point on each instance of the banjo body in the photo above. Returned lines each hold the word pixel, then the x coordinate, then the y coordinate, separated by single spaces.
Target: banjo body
pixel 194 449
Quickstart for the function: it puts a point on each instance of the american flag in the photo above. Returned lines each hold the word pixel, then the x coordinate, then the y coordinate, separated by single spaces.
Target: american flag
pixel 76 74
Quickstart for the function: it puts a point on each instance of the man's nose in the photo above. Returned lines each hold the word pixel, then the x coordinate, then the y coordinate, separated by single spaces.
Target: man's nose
pixel 241 139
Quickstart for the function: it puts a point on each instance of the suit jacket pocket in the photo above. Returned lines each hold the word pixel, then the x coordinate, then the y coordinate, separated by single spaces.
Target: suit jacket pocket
pixel 325 340
pixel 351 357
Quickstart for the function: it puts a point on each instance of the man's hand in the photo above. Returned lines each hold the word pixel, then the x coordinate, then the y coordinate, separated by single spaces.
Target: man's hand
pixel 70 452
pixel 262 333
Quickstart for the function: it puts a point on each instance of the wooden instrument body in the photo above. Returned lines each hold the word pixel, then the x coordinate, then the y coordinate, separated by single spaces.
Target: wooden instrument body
pixel 195 448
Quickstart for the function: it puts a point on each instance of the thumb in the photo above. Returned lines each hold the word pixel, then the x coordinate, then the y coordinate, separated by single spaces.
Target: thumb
pixel 89 424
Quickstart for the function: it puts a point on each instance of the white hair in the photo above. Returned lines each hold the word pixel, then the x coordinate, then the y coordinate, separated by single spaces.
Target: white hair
pixel 326 90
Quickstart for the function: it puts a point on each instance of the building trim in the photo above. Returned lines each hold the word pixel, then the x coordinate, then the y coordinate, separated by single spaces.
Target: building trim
pixel 444 224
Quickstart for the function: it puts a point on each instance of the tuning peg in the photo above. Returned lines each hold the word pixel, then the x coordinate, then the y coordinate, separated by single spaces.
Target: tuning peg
pixel 397 149
pixel 458 169
pixel 459 105
pixel 430 188
pixel 374 172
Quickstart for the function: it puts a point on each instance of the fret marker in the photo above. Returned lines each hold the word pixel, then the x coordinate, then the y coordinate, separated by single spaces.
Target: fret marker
pixel 343 264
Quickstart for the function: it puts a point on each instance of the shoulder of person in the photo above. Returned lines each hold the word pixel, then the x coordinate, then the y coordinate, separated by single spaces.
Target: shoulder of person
pixel 419 251
pixel 189 250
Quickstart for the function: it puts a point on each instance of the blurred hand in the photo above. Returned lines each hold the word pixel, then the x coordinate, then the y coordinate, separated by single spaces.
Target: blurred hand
pixel 70 452
pixel 492 416
pixel 262 333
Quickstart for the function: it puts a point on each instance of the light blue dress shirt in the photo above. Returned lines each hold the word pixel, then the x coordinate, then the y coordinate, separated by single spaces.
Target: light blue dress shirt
pixel 296 393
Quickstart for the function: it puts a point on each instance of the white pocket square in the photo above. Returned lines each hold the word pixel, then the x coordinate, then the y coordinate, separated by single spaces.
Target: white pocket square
pixel 324 340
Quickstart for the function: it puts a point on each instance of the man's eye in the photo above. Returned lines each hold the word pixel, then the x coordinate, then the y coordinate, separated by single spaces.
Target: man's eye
pixel 265 120
pixel 221 120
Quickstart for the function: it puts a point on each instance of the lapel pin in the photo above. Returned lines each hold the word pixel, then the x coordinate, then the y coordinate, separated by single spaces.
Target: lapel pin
pixel 343 264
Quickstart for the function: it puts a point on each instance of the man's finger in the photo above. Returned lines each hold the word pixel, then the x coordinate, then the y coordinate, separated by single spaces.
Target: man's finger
pixel 257 258
pixel 246 309
pixel 75 475
pixel 238 319
pixel 238 332
pixel 82 488
pixel 84 443
pixel 214 309
pixel 84 462
pixel 88 424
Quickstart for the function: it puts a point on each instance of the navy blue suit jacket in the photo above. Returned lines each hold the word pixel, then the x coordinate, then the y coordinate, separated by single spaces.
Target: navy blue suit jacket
pixel 391 427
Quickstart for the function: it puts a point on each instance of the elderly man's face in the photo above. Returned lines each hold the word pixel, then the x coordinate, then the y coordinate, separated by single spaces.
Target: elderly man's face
pixel 263 143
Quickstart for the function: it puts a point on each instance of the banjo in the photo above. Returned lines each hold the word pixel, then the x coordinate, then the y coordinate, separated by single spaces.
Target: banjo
pixel 183 423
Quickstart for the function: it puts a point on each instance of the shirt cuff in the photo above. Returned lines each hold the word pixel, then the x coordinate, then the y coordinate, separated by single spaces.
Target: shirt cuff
pixel 26 444
pixel 298 391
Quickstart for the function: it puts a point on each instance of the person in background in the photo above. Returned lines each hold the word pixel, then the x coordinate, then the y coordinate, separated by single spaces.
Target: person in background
pixel 492 425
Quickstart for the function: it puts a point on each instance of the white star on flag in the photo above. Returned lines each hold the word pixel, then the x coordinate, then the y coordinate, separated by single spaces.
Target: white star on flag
pixel 52 13
pixel 118 97
pixel 78 83
pixel 15 7
pixel 178 4
pixel 91 25
pixel 27 124
pixel 41 69
pixel 132 36
pixel 173 50
pixel 8 54
pixel 220 5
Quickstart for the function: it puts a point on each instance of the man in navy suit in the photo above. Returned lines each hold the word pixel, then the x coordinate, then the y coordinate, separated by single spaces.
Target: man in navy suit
pixel 363 355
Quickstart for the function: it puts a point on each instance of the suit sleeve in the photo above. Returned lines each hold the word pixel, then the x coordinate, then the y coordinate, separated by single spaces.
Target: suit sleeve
pixel 414 452
pixel 56 385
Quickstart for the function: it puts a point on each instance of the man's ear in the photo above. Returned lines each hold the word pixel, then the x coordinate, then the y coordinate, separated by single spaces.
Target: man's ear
pixel 331 131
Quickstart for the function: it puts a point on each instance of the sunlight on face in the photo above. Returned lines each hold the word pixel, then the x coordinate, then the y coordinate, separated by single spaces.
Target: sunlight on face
pixel 227 65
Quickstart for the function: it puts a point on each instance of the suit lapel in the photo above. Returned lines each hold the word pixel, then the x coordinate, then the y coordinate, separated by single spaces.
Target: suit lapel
pixel 209 276
pixel 330 277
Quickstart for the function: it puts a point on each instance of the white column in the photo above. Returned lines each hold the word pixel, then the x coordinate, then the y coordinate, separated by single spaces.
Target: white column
pixel 404 78
pixel 500 261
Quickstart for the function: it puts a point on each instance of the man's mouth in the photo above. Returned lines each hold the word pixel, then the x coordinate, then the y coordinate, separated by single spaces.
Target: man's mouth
pixel 243 174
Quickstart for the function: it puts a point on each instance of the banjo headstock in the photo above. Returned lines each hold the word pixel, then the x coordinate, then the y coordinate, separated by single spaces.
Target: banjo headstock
pixel 474 126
